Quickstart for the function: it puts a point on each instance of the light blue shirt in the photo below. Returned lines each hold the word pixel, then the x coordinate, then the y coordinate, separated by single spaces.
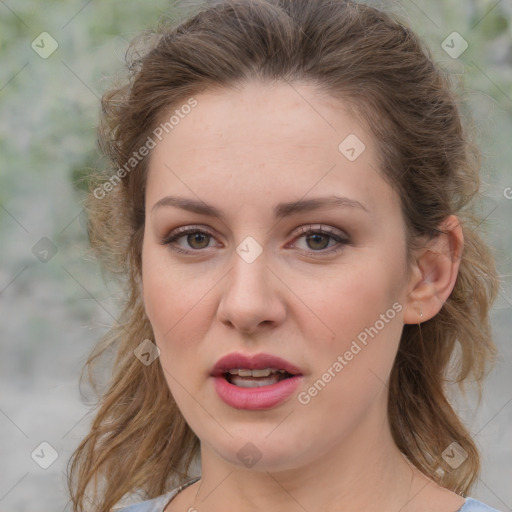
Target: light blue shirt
pixel 159 503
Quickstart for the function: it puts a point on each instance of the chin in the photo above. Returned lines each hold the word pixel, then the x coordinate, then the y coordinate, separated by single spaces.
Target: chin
pixel 262 452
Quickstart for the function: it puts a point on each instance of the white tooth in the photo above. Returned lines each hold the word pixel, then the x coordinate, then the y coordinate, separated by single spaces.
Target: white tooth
pixel 262 373
pixel 249 383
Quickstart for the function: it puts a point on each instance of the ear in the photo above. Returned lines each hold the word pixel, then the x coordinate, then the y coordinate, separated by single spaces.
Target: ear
pixel 434 272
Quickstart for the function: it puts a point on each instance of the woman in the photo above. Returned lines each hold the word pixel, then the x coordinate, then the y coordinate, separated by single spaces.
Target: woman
pixel 290 207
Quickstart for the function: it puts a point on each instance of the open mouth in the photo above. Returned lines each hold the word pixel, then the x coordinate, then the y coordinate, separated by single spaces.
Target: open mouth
pixel 245 378
pixel 255 382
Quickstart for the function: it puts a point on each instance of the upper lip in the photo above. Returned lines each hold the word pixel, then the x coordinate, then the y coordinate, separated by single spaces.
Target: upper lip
pixel 252 362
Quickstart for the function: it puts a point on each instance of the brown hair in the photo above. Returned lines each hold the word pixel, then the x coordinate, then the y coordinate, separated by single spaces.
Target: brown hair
pixel 139 441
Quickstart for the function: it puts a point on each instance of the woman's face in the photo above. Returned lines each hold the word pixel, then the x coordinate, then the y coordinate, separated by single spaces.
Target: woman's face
pixel 284 240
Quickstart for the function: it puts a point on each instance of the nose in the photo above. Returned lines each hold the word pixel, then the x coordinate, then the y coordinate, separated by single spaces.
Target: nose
pixel 252 298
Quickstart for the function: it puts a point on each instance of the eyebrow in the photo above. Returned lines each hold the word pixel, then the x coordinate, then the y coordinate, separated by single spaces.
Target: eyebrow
pixel 281 210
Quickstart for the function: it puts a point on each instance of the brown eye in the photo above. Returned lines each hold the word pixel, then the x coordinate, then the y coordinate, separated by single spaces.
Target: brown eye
pixel 188 240
pixel 318 241
pixel 322 241
pixel 198 238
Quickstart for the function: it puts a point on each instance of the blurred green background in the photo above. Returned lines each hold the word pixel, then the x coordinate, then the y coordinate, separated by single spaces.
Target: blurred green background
pixel 54 301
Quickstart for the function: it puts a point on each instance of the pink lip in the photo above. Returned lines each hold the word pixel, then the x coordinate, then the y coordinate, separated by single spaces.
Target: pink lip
pixel 264 397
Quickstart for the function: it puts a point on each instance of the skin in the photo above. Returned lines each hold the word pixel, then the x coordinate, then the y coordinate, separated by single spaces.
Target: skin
pixel 244 151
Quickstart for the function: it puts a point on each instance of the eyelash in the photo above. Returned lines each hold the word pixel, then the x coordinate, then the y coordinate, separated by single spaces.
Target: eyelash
pixel 303 231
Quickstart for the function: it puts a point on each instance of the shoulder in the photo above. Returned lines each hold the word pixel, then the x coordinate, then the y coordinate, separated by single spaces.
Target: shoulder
pixel 157 504
pixel 472 505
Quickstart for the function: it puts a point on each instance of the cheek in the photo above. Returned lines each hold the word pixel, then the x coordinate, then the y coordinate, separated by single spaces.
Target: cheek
pixel 174 300
pixel 361 312
pixel 175 303
pixel 351 299
pixel 362 307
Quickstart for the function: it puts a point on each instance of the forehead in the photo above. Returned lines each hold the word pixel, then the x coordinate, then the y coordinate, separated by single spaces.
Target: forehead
pixel 263 109
pixel 272 139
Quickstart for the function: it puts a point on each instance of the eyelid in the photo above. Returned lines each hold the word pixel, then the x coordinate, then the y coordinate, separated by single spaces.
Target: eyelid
pixel 184 230
pixel 321 228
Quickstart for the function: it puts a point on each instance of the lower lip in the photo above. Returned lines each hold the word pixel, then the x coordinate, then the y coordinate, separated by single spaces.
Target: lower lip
pixel 254 399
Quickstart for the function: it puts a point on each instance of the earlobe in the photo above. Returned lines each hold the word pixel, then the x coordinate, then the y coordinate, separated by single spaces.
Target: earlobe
pixel 435 272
